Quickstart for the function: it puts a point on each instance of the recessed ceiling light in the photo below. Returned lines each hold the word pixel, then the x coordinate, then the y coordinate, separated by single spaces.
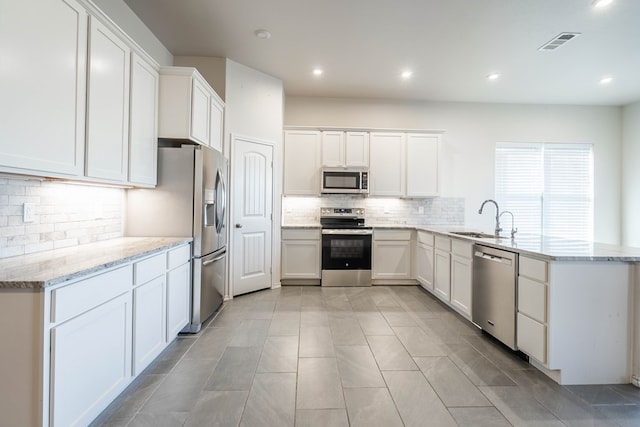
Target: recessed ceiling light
pixel 493 76
pixel 406 74
pixel 601 3
pixel 317 71
pixel 606 80
pixel 262 34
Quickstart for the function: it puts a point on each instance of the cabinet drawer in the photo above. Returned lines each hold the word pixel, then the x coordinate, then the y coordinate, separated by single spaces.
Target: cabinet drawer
pixel 81 296
pixel 533 268
pixel 149 268
pixel 461 248
pixel 426 238
pixel 443 243
pixel 532 299
pixel 300 234
pixel 532 338
pixel 392 234
pixel 178 256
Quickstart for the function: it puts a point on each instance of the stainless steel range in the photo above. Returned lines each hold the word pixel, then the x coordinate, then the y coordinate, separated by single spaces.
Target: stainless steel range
pixel 346 247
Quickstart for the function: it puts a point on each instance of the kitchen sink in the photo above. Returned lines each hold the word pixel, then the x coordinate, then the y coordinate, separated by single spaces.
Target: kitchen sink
pixel 475 234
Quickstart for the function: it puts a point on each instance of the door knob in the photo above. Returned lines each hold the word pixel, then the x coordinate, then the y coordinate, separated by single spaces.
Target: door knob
pixel 238 225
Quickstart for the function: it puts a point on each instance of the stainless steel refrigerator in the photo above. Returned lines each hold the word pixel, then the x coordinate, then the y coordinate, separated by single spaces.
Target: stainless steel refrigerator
pixel 189 200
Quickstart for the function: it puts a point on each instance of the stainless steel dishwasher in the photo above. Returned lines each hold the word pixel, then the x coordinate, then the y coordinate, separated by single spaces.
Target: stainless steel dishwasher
pixel 494 293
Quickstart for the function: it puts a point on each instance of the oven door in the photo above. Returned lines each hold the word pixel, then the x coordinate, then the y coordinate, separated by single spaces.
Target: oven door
pixel 346 249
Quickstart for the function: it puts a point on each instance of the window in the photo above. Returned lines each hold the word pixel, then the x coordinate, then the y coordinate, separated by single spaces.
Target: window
pixel 548 187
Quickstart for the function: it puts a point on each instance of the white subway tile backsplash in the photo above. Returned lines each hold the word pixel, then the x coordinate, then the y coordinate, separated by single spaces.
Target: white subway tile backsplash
pixel 65 215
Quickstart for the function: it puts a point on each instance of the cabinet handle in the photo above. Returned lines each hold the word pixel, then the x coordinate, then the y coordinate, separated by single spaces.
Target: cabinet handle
pixel 238 225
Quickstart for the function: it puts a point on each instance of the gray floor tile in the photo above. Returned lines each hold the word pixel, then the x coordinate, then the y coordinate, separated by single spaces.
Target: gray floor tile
pixel 625 416
pixel 390 353
pixel 357 367
pixel 394 318
pixel 316 341
pixel 371 407
pixel 235 370
pixel 170 419
pixel 285 323
pixel 272 401
pixel 477 367
pixel 181 388
pixel 599 395
pixel 347 331
pixel 211 343
pixel 496 353
pixel 629 391
pixel 479 417
pixel 218 408
pixel 373 323
pixel 251 333
pixel 319 384
pixel 418 343
pixel 313 318
pixel 171 355
pixel 279 354
pixel 262 310
pixel 453 387
pixel 321 418
pixel 416 400
pixel 437 327
pixel 519 407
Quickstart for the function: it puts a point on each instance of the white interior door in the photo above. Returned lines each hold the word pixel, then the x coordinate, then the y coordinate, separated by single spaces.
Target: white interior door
pixel 252 165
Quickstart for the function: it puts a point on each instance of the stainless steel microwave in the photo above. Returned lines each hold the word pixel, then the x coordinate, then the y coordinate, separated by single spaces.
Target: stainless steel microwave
pixel 345 181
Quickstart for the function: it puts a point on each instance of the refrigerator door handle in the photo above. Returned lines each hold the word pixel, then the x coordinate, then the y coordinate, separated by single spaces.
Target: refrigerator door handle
pixel 211 261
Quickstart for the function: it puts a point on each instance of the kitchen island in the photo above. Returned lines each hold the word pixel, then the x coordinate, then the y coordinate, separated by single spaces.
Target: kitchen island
pixel 79 324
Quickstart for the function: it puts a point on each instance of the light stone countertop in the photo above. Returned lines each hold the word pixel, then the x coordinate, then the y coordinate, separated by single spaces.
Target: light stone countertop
pixel 541 247
pixel 43 269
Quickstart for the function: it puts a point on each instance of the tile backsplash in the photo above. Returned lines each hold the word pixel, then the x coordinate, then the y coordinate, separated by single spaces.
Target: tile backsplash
pixel 432 211
pixel 65 215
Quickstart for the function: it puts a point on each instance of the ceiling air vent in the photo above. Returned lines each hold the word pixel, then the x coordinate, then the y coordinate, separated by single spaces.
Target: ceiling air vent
pixel 558 41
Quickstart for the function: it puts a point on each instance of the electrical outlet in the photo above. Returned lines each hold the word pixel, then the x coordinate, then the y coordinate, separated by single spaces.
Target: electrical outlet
pixel 386 209
pixel 28 212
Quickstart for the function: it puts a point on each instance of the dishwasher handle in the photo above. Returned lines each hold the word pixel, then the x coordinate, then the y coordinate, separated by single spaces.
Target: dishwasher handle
pixel 494 258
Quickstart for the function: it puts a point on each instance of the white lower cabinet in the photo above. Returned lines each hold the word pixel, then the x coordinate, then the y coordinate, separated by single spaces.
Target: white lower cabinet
pixel 424 265
pixel 148 321
pixel 178 299
pixel 301 254
pixel 442 268
pixel 90 360
pixel 461 276
pixel 392 256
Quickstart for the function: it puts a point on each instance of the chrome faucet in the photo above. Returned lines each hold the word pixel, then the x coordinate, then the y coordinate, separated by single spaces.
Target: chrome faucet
pixel 498 229
pixel 513 230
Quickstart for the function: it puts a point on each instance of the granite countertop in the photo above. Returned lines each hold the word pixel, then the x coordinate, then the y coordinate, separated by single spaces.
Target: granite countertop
pixel 43 269
pixel 541 247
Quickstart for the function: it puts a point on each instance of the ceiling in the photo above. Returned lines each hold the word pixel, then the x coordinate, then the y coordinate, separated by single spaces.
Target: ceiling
pixel 450 45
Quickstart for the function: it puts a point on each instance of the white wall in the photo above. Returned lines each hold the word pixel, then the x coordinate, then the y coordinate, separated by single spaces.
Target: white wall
pixel 471 131
pixel 631 175
pixel 123 16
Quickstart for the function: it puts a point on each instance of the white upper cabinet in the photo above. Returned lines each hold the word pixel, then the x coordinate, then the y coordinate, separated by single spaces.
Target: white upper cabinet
pixel 333 148
pixel 422 165
pixel 189 107
pixel 143 125
pixel 356 150
pixel 108 105
pixel 43 113
pixel 387 164
pixel 302 160
pixel 344 149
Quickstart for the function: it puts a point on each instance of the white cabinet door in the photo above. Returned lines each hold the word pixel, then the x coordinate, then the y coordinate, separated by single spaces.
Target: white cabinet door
pixel 461 284
pixel 391 259
pixel 178 299
pixel 301 259
pixel 200 104
pixel 143 126
pixel 43 86
pixel 148 323
pixel 424 265
pixel 387 164
pixel 90 361
pixel 356 151
pixel 108 105
pixel 302 160
pixel 442 274
pixel 216 136
pixel 532 337
pixel 422 165
pixel 333 149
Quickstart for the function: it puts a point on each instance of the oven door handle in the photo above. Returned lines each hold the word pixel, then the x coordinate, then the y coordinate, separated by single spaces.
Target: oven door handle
pixel 348 231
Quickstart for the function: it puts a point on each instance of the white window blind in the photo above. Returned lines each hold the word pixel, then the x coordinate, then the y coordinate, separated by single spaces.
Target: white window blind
pixel 548 187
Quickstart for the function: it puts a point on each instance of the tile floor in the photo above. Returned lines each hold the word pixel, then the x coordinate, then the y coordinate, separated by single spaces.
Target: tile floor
pixel 378 356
